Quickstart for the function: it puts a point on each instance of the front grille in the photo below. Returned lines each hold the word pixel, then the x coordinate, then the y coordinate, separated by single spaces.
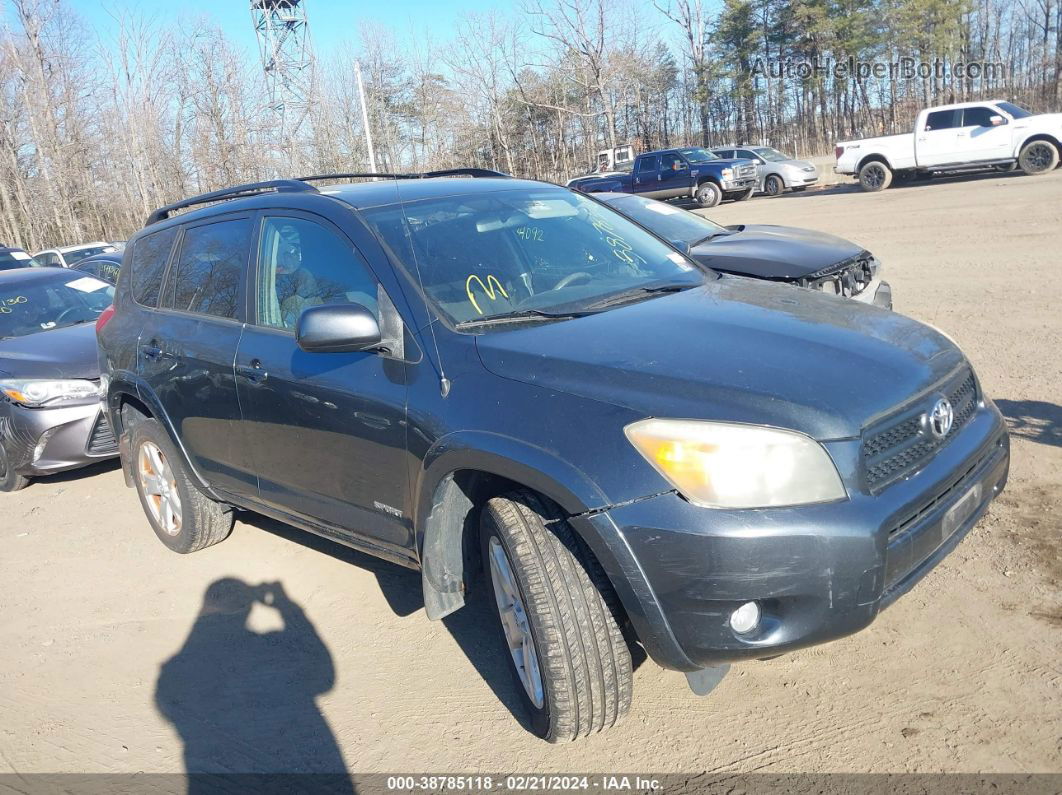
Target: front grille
pixel 905 443
pixel 746 171
pixel 102 441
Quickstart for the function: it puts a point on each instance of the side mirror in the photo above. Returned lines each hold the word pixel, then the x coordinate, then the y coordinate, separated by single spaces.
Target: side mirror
pixel 996 121
pixel 337 328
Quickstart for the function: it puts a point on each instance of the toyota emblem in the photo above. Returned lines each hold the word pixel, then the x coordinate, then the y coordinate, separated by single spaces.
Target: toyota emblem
pixel 941 418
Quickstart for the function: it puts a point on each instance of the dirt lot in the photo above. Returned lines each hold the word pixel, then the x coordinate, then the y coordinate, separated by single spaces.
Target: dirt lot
pixel 963 674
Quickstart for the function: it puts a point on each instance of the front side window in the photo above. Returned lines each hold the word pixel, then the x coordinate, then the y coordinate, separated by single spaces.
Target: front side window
pixel 672 162
pixel 525 251
pixel 978 117
pixel 698 155
pixel 150 255
pixel 35 307
pixel 210 268
pixel 302 264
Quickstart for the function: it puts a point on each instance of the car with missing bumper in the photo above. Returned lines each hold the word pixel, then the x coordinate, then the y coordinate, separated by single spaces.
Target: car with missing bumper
pixel 783 254
pixel 465 373
pixel 50 414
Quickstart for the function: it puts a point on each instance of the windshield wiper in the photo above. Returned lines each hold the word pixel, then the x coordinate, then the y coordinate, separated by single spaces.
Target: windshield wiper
pixel 514 317
pixel 637 292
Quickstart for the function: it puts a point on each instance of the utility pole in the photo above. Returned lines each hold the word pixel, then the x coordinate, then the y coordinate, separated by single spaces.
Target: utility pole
pixel 287 60
pixel 365 118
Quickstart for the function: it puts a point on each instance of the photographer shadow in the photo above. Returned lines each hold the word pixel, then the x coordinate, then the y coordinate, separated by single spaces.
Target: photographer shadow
pixel 243 702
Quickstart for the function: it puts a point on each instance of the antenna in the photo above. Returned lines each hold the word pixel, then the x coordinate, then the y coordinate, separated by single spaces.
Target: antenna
pixel 284 43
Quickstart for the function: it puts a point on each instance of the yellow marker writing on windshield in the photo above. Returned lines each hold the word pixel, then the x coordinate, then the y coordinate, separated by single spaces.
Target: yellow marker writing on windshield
pixel 488 288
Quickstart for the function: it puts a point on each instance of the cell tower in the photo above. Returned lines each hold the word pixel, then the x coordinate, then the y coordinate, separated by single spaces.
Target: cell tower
pixel 284 42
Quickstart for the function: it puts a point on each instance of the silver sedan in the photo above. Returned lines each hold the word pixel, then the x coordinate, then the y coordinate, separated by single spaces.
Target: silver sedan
pixel 776 171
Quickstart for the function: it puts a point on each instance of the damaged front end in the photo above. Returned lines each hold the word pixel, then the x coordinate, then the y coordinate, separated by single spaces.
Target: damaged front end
pixel 858 278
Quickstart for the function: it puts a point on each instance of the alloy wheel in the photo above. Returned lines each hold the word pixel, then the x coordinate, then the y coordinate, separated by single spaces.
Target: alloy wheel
pixel 1037 157
pixel 515 623
pixel 159 487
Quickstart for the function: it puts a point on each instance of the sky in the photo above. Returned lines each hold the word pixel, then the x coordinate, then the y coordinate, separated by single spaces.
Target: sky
pixel 332 22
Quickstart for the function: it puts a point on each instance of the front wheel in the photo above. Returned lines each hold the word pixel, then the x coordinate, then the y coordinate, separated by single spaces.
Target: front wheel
pixel 558 617
pixel 773 185
pixel 709 194
pixel 10 480
pixel 183 518
pixel 875 176
pixel 1038 157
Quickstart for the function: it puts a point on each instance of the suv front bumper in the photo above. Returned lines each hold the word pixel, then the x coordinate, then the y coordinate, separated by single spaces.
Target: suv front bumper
pixel 818 572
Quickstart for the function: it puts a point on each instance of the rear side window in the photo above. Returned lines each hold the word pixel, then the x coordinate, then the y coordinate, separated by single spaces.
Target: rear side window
pixel 150 255
pixel 649 163
pixel 210 268
pixel 941 120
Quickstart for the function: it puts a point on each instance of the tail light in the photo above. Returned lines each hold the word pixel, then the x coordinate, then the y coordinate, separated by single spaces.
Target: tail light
pixel 104 317
pixel 838 151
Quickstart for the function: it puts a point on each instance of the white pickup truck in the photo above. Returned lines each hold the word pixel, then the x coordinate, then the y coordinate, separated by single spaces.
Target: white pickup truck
pixel 955 138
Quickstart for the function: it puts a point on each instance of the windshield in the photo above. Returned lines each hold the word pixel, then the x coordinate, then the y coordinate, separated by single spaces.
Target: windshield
pixel 669 222
pixel 698 155
pixel 524 251
pixel 1015 111
pixel 9 260
pixel 771 155
pixel 88 251
pixel 32 307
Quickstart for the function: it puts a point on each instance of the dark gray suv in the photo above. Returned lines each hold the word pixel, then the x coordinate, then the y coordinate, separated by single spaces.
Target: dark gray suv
pixel 462 372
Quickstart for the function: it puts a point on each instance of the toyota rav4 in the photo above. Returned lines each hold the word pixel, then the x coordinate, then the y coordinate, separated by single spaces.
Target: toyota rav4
pixel 462 372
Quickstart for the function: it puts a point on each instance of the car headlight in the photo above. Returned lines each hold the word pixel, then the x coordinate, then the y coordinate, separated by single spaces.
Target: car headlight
pixel 38 392
pixel 728 173
pixel 728 465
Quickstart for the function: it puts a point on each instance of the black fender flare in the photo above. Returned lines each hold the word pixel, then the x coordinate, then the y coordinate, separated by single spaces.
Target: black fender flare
pixel 127 384
pixel 443 510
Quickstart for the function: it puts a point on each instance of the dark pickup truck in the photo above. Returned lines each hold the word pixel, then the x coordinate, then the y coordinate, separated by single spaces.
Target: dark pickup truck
pixel 693 173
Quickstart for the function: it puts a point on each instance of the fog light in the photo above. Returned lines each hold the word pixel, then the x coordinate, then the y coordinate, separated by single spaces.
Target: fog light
pixel 745 618
pixel 38 451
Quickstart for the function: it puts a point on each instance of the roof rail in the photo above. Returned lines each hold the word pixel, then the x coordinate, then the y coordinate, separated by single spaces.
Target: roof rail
pixel 449 172
pixel 236 192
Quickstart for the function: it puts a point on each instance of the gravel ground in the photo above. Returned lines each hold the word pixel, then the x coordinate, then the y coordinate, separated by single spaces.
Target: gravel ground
pixel 963 674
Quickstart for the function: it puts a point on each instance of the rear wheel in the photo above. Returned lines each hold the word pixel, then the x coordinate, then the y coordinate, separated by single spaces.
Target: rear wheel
pixel 773 185
pixel 1038 157
pixel 183 518
pixel 567 653
pixel 709 194
pixel 875 176
pixel 10 480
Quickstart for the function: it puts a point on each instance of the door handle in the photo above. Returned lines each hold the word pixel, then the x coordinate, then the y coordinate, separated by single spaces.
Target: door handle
pixel 252 372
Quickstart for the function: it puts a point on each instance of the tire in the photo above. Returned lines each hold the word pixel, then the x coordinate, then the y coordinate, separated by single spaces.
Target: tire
pixel 743 196
pixel 200 522
pixel 1038 157
pixel 709 194
pixel 875 176
pixel 10 480
pixel 773 185
pixel 569 617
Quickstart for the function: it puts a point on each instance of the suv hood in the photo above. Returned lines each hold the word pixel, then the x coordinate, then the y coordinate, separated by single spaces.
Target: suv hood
pixel 62 353
pixel 774 252
pixel 735 349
